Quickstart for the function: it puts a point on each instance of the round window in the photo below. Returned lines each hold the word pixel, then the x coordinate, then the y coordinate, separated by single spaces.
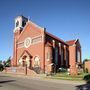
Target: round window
pixel 27 42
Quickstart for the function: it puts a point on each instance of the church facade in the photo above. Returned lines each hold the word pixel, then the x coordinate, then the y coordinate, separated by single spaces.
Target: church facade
pixel 41 51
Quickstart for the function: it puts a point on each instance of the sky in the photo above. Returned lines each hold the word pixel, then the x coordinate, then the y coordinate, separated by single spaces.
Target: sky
pixel 66 19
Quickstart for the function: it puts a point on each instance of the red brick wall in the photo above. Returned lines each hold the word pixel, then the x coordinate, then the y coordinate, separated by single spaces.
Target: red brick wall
pixel 20 70
pixel 31 30
pixel 36 49
pixel 48 58
pixel 72 55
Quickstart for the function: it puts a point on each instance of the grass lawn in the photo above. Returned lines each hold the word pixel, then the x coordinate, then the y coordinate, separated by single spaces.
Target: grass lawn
pixel 65 76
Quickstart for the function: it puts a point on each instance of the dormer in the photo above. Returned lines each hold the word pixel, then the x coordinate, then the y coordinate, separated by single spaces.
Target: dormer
pixel 20 22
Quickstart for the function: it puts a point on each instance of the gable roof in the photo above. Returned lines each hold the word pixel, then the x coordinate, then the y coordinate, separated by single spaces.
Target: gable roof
pixel 48 44
pixel 30 23
pixel 71 42
pixel 51 35
pixel 25 52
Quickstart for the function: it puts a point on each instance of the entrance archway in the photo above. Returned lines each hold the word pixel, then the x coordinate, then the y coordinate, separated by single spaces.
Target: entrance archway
pixel 25 59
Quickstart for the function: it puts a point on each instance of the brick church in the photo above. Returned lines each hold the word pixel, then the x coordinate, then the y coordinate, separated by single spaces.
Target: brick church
pixel 39 50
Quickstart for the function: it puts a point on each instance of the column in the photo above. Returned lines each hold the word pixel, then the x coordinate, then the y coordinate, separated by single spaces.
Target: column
pixel 72 60
pixel 43 51
pixel 48 59
pixel 53 43
pixel 59 61
pixel 15 53
pixel 53 51
pixel 67 57
pixel 64 55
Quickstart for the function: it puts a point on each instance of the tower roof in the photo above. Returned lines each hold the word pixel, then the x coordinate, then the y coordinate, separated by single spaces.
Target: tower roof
pixel 21 16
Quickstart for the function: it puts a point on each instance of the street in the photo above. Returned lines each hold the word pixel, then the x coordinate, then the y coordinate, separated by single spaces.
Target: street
pixel 24 83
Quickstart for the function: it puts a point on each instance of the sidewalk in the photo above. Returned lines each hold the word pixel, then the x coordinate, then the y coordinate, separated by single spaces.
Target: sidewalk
pixel 42 77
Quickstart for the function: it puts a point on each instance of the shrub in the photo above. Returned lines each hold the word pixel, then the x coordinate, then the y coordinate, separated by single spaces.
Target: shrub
pixel 1 67
pixel 87 77
pixel 63 70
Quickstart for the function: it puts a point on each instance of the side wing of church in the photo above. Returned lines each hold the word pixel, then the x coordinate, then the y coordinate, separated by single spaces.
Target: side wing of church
pixel 41 51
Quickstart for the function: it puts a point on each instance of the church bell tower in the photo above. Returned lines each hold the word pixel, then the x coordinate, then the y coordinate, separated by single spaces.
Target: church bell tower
pixel 20 23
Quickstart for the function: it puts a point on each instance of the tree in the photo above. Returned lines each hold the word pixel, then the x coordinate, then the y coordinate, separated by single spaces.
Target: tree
pixel 0 61
pixel 1 66
pixel 85 60
pixel 4 64
pixel 8 62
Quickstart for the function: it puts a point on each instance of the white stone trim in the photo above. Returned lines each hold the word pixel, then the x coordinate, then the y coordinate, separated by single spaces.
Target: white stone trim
pixel 40 36
pixel 20 47
pixel 20 42
pixel 37 36
pixel 37 41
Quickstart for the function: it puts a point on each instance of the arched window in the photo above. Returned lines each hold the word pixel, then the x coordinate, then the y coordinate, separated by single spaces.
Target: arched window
pixel 78 56
pixel 36 62
pixel 17 23
pixel 20 62
pixel 23 23
pixel 28 61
